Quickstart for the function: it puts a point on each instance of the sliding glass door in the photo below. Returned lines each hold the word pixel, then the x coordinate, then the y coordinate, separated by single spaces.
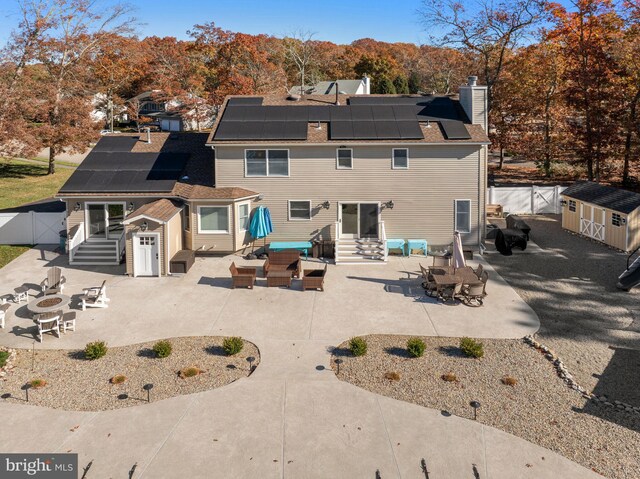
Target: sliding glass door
pixel 358 220
pixel 104 220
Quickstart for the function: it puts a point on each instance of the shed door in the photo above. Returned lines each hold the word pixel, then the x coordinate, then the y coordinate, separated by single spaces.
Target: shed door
pixel 146 255
pixel 592 221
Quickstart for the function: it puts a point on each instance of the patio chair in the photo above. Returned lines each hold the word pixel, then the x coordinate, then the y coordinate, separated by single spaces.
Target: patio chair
pixel 473 294
pixel 479 270
pixel 452 292
pixel 428 283
pixel 54 282
pixel 287 260
pixel 242 277
pixel 314 278
pixel 95 297
pixel 442 261
pixel 49 324
pixel 3 311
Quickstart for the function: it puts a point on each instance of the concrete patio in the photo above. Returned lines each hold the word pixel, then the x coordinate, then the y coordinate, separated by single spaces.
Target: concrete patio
pixel 357 300
pixel 292 417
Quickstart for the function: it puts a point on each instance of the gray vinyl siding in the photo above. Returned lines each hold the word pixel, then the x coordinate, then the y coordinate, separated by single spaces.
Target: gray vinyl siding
pixel 152 227
pixel 212 243
pixel 423 194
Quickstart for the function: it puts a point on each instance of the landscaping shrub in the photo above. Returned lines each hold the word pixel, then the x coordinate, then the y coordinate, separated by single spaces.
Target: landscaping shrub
pixel 4 356
pixel 118 379
pixel 472 348
pixel 415 347
pixel 162 349
pixel 37 383
pixel 232 345
pixel 509 381
pixel 190 372
pixel 392 376
pixel 95 350
pixel 449 377
pixel 358 346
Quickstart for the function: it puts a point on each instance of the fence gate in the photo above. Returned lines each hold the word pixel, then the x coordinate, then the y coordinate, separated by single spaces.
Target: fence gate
pixel 31 227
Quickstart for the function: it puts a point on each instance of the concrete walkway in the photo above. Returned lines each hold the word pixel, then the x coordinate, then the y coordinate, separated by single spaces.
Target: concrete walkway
pixel 292 417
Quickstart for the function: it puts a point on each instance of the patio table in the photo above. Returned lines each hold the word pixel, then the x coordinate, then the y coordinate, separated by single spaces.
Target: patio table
pixel 447 277
pixel 302 246
pixel 48 304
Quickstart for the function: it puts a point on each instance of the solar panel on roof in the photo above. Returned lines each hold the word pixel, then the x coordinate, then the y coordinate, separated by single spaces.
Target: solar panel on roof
pixel 296 113
pixel 233 114
pixel 116 143
pixel 273 130
pixel 274 113
pixel 249 130
pixel 387 130
pixel 455 130
pixel 296 130
pixel 340 113
pixel 410 130
pixel 364 130
pixel 319 113
pixel 361 113
pixel 404 112
pixel 226 131
pixel 245 101
pixel 253 113
pixel 341 130
pixel 383 112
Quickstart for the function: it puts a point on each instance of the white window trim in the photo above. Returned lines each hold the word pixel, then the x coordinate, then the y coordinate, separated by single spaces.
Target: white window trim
pixel 267 163
pixel 393 159
pixel 214 232
pixel 338 167
pixel 298 219
pixel 455 215
pixel 104 203
pixel 248 205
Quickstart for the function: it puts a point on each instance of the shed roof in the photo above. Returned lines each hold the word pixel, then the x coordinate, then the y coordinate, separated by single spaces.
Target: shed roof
pixel 615 199
pixel 161 210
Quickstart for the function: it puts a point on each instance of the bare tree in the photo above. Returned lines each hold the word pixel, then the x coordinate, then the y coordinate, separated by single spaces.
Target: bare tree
pixel 488 30
pixel 300 52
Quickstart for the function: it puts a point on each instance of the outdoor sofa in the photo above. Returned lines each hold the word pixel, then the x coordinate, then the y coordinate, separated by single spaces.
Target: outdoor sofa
pixel 288 260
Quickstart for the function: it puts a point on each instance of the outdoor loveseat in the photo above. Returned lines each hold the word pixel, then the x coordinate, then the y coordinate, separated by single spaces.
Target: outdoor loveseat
pixel 288 260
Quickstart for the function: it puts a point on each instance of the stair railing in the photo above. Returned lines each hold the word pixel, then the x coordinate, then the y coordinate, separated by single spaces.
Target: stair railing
pixel 76 238
pixel 383 238
pixel 631 255
pixel 336 249
pixel 120 246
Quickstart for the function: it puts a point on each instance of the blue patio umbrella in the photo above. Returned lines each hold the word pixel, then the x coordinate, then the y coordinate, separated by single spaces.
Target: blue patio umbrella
pixel 261 225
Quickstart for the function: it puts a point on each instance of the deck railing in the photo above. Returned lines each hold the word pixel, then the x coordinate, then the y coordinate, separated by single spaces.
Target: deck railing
pixel 76 238
pixel 383 238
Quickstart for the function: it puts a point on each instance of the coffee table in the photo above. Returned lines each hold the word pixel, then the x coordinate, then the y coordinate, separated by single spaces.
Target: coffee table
pixel 279 278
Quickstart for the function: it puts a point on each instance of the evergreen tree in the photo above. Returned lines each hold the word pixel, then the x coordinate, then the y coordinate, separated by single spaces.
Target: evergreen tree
pixel 401 84
pixel 414 83
pixel 385 86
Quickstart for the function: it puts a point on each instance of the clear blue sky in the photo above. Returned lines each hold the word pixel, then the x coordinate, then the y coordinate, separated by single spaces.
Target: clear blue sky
pixel 339 21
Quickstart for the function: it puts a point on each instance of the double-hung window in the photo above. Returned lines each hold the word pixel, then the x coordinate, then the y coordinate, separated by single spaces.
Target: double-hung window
pixel 299 210
pixel 344 158
pixel 463 216
pixel 243 216
pixel 400 159
pixel 267 163
pixel 213 219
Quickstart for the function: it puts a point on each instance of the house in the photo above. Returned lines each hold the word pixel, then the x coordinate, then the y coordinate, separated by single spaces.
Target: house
pixel 603 213
pixel 346 87
pixel 173 115
pixel 355 173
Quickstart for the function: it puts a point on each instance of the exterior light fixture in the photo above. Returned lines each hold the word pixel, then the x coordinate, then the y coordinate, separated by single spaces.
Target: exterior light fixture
pixel 148 388
pixel 389 204
pixel 260 197
pixel 144 226
pixel 563 202
pixel 77 206
pixel 326 205
pixel 623 221
pixel 250 360
pixel 475 405
pixel 338 363
pixel 130 207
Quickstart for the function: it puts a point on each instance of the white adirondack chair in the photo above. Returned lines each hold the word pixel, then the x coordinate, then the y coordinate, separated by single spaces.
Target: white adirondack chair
pixel 46 325
pixel 3 311
pixel 95 297
pixel 54 282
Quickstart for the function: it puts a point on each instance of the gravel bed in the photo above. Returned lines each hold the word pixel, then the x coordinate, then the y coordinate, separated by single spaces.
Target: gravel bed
pixel 74 383
pixel 539 408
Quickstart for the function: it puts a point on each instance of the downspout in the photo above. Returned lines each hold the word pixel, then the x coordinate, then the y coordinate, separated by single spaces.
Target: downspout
pixel 166 247
pixel 480 205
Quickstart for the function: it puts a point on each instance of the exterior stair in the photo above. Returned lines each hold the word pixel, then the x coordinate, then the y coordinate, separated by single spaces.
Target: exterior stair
pixel 360 251
pixel 96 253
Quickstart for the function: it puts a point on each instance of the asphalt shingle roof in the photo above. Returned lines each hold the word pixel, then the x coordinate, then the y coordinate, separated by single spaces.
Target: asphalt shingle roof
pixel 609 197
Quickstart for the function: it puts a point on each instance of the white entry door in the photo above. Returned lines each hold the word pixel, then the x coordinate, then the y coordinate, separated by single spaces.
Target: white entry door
pixel 145 255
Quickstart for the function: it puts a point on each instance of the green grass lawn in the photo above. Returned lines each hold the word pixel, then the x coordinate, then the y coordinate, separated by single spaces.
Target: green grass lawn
pixel 58 162
pixel 22 182
pixel 8 253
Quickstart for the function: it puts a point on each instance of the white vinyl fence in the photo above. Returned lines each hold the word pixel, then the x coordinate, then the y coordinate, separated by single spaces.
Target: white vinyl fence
pixel 529 200
pixel 31 227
